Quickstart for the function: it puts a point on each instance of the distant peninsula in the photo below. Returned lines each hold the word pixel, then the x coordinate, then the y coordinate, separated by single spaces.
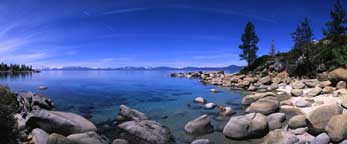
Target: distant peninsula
pixel 15 68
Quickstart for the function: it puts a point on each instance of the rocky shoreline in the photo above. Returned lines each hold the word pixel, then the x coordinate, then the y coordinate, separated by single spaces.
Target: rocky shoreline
pixel 282 109
pixel 38 123
pixel 278 109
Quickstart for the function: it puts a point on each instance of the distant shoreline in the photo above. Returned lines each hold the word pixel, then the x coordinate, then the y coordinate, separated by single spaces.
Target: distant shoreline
pixel 33 71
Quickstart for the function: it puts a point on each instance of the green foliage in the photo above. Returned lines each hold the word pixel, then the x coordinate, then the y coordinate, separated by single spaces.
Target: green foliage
pixel 259 63
pixel 307 57
pixel 333 51
pixel 336 29
pixel 333 57
pixel 8 124
pixel 249 44
pixel 300 58
pixel 302 36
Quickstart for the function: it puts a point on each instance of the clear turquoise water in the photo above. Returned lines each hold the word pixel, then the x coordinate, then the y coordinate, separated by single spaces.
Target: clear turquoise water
pixel 98 94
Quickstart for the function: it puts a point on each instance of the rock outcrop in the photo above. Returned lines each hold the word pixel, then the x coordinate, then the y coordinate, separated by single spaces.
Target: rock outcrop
pixel 59 122
pixel 248 126
pixel 199 126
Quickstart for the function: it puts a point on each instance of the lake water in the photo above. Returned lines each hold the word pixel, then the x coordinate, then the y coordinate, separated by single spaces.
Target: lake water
pixel 98 94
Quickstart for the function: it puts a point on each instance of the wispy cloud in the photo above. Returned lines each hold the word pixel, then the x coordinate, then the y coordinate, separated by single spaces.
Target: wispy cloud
pixel 228 12
pixel 163 35
pixel 213 10
pixel 128 10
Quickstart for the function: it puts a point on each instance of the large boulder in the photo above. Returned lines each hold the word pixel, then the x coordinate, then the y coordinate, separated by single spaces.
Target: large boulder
pixel 338 74
pixel 265 106
pixel 39 136
pixel 322 138
pixel 297 92
pixel 311 82
pixel 337 128
pixel 265 80
pixel 199 126
pixel 343 101
pixel 323 84
pixel 280 136
pixel 88 138
pixel 303 103
pixel 298 85
pixel 341 85
pixel 248 99
pixel 314 92
pixel 275 120
pixel 248 126
pixel 297 121
pixel 318 118
pixel 59 139
pixel 145 132
pixel 202 141
pixel 120 141
pixel 29 101
pixel 328 89
pixel 59 122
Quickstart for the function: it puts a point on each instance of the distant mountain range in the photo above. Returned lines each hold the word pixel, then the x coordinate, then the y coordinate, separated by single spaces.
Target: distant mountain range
pixel 78 68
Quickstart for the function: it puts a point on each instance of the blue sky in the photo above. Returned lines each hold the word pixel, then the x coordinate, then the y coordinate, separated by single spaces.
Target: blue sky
pixel 116 33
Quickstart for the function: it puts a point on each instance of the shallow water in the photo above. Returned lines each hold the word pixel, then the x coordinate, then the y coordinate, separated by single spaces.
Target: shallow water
pixel 98 94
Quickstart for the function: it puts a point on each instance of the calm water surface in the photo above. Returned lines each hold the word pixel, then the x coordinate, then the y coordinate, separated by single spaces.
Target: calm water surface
pixel 98 94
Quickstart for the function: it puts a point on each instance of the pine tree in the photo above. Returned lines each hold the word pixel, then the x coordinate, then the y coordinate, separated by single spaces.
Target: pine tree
pixel 334 53
pixel 303 36
pixel 336 30
pixel 249 44
pixel 302 51
pixel 272 49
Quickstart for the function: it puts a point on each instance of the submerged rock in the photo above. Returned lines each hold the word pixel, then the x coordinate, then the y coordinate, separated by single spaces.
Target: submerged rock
pixel 249 126
pixel 140 130
pixel 199 126
pixel 131 114
pixel 59 122
pixel 202 141
pixel 210 105
pixel 43 87
pixel 200 100
pixel 146 132
pixel 213 90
